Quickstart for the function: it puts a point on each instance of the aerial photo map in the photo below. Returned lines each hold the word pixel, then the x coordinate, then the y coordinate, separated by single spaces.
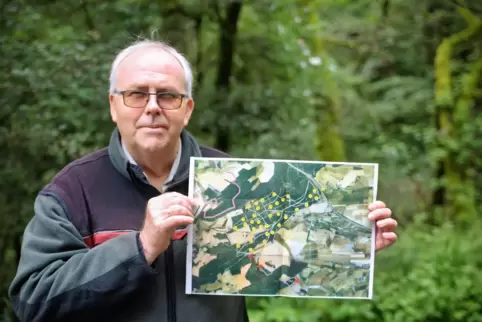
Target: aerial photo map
pixel 281 228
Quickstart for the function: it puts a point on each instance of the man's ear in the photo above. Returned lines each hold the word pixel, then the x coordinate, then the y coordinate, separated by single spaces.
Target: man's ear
pixel 189 109
pixel 113 112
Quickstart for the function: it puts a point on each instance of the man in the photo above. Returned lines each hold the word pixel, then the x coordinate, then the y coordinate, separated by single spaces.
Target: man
pixel 107 241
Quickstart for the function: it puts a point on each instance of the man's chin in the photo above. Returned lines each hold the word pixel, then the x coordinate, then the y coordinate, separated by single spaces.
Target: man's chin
pixel 151 145
pixel 154 141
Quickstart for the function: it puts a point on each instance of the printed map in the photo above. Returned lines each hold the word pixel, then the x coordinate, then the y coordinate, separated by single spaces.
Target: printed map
pixel 281 228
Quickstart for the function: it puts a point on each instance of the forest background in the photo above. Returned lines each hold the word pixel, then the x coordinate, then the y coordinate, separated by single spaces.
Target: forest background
pixel 397 82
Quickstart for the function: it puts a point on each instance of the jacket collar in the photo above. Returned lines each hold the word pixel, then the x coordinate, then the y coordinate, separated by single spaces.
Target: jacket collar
pixel 180 173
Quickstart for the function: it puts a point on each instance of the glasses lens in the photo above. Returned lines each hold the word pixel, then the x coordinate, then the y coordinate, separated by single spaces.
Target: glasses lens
pixel 135 98
pixel 169 101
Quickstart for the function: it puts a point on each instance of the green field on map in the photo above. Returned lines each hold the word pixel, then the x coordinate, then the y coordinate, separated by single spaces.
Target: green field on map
pixel 281 228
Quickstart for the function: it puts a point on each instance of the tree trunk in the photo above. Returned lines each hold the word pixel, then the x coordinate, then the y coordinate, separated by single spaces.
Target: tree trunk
pixel 227 42
pixel 453 112
pixel 329 144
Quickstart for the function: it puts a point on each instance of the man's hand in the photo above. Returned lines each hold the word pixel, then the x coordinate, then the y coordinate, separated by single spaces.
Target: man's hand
pixel 164 214
pixel 384 225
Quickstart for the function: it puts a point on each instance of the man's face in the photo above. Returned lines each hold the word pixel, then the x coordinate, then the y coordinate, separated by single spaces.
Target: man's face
pixel 150 128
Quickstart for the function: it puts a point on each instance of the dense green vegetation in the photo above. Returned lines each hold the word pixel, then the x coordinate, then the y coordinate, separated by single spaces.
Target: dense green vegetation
pixel 396 82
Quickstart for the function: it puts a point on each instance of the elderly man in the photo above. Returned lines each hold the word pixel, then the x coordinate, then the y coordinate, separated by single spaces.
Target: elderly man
pixel 107 241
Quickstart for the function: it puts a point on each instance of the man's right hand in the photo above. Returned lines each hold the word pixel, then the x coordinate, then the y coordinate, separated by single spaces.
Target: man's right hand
pixel 164 214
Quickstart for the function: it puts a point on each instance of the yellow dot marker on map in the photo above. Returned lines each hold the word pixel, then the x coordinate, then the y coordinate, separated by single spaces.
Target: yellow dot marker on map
pixel 276 203
pixel 257 208
pixel 256 203
pixel 245 224
pixel 253 229
pixel 278 214
pixel 250 250
pixel 262 199
pixel 258 221
pixel 297 209
pixel 248 206
pixel 316 198
pixel 235 227
pixel 253 216
pixel 270 206
pixel 270 215
pixel 251 221
pixel 238 246
pixel 243 219
pixel 283 199
pixel 285 216
pixel 271 232
pixel 314 190
pixel 288 196
pixel 261 227
pixel 274 194
pixel 251 240
pixel 267 234
pixel 265 241
pixel 310 196
pixel 266 226
pixel 279 225
pixel 323 188
pixel 306 204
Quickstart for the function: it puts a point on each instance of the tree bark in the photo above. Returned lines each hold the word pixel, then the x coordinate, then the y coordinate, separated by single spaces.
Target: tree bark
pixel 227 42
pixel 457 189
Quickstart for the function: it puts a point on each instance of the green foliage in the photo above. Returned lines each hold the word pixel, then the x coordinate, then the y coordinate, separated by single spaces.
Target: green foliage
pixel 347 77
pixel 432 274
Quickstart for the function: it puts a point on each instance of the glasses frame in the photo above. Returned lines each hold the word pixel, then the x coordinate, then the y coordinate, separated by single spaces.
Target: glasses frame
pixel 178 95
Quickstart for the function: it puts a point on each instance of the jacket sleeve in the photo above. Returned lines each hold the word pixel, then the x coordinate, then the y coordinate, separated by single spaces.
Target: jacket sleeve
pixel 59 276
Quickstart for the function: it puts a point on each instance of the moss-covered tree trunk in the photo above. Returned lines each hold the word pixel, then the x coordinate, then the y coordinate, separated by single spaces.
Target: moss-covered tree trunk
pixel 454 98
pixel 329 144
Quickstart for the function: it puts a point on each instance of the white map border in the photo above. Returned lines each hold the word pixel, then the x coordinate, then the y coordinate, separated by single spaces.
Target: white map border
pixel 189 236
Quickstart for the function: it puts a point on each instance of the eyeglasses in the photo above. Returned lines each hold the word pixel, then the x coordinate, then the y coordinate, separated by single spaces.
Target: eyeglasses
pixel 139 99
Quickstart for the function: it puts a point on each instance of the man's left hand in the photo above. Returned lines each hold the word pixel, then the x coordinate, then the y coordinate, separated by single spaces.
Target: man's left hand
pixel 385 225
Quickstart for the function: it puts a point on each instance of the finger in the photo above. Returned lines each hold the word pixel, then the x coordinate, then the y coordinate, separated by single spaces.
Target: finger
pixel 390 236
pixel 185 200
pixel 182 201
pixel 176 198
pixel 173 222
pixel 177 195
pixel 387 224
pixel 172 199
pixel 376 205
pixel 379 214
pixel 176 210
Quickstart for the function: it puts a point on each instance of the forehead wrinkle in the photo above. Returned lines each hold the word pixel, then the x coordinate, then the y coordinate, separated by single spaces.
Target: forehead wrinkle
pixel 148 78
pixel 145 72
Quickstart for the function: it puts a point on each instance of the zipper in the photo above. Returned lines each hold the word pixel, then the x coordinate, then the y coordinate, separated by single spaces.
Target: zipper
pixel 168 256
pixel 170 283
pixel 169 253
pixel 168 265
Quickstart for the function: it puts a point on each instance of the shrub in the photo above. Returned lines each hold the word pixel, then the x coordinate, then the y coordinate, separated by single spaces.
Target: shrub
pixel 431 274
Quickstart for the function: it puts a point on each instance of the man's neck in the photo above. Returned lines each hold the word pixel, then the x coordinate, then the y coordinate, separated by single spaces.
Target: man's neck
pixel 159 168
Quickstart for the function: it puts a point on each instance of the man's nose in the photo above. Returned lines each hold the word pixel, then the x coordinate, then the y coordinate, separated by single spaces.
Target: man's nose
pixel 152 106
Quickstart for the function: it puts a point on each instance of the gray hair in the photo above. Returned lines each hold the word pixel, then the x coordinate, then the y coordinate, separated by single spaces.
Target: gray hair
pixel 188 77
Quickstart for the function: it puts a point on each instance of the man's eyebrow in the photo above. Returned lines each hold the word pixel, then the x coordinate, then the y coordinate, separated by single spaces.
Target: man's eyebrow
pixel 166 89
pixel 136 86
